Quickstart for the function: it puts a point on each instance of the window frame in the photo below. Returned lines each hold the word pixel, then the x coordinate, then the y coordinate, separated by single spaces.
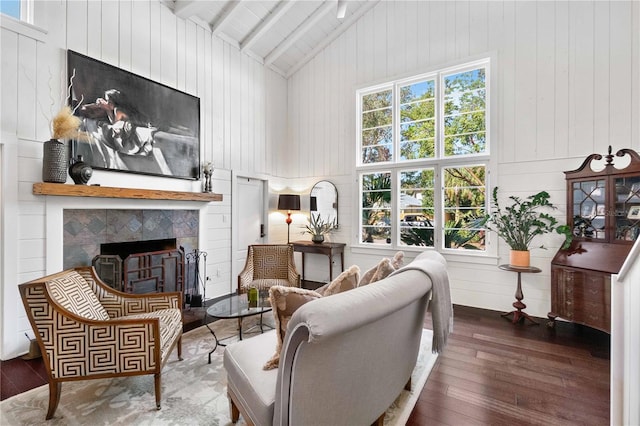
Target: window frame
pixel 439 162
pixel 25 25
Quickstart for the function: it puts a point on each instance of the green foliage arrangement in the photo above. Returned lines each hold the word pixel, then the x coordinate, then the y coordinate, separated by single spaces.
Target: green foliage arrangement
pixel 568 235
pixel 318 226
pixel 518 223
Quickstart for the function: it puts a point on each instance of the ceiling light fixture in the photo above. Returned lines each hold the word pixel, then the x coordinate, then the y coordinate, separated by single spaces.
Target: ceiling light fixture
pixel 342 9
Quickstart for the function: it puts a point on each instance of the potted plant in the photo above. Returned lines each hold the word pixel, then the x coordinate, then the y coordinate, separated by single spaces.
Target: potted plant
pixel 318 228
pixel 518 223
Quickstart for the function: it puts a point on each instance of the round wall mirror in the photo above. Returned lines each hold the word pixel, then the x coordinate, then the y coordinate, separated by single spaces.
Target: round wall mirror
pixel 324 201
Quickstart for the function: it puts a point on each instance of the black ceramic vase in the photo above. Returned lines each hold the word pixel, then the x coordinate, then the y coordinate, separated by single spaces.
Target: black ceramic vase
pixel 54 161
pixel 318 239
pixel 80 172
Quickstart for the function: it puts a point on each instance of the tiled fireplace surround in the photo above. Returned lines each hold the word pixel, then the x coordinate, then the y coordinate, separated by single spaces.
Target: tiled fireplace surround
pixel 84 230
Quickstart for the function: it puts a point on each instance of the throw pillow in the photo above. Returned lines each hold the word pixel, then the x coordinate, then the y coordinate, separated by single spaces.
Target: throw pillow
pixel 366 277
pixel 322 288
pixel 347 280
pixel 398 260
pixel 284 302
pixel 384 269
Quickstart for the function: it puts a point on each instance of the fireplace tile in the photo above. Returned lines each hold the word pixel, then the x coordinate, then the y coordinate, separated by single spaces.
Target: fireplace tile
pixel 124 225
pixel 86 229
pixel 79 255
pixel 84 226
pixel 158 224
pixel 186 223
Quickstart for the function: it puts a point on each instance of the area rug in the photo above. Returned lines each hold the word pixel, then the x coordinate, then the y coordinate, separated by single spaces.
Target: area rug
pixel 193 391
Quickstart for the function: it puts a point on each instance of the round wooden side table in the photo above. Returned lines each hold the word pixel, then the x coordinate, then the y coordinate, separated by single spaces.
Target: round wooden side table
pixel 518 314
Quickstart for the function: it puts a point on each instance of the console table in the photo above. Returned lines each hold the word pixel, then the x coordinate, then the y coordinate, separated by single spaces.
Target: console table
pixel 328 249
pixel 518 314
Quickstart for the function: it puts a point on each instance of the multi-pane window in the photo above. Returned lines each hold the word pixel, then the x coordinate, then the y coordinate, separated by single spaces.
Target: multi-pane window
pixel 424 159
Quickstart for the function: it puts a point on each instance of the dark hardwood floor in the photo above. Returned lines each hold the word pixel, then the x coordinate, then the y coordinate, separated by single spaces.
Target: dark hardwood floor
pixel 498 373
pixel 491 372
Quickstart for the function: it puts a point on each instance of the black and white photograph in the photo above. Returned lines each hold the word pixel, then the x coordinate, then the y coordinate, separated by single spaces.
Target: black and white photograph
pixel 132 124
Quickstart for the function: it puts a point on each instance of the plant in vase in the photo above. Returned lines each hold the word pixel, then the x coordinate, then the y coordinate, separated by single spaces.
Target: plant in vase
pixel 318 228
pixel 518 223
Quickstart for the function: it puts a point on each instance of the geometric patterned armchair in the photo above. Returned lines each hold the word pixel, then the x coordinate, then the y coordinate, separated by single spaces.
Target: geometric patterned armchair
pixel 87 330
pixel 268 265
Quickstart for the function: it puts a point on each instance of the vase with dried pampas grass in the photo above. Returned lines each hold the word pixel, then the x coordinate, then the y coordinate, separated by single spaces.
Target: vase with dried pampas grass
pixel 64 125
pixel 55 161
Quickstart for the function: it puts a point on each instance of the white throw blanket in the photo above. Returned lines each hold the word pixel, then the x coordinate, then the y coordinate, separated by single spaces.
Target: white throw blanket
pixel 434 265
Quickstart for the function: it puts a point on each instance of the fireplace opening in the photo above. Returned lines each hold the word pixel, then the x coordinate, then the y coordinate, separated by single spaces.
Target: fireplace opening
pixel 124 249
pixel 148 266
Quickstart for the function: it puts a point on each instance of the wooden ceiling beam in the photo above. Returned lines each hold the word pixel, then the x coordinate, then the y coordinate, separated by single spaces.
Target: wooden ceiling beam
pixel 299 32
pixel 187 8
pixel 266 24
pixel 216 27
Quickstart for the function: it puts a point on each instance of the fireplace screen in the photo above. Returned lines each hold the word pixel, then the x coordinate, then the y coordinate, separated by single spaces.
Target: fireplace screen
pixel 142 267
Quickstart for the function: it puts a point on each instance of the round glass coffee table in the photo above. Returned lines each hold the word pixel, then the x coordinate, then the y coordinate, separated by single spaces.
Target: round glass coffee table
pixel 237 306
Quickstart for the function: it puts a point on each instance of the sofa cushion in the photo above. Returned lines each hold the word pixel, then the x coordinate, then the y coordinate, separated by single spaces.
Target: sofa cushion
pixel 170 326
pixel 247 379
pixel 284 302
pixel 73 293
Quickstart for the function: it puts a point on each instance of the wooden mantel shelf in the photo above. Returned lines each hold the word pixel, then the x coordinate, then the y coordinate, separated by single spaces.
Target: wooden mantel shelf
pixel 43 188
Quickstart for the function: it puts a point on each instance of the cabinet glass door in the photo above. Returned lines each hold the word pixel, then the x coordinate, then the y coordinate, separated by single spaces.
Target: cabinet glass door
pixel 589 211
pixel 627 208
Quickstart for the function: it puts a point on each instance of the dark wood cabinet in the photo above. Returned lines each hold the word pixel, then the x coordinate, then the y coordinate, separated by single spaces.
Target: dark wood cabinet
pixel 603 211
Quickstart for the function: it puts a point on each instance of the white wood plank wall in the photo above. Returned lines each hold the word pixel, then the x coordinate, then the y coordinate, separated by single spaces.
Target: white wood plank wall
pixel 243 116
pixel 568 85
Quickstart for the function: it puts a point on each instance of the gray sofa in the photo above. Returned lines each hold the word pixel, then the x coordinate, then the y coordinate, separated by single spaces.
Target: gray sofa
pixel 345 357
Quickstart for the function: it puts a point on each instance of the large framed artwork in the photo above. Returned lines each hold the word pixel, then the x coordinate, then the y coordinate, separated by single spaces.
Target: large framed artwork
pixel 132 124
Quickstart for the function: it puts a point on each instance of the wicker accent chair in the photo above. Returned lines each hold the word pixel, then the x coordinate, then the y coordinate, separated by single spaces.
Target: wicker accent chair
pixel 268 265
pixel 87 330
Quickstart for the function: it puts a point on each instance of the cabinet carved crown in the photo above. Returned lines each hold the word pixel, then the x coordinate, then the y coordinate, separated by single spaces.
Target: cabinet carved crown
pixel 604 205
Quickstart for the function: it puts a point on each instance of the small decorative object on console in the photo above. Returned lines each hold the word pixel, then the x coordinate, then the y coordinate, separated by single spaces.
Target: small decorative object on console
pixel 318 228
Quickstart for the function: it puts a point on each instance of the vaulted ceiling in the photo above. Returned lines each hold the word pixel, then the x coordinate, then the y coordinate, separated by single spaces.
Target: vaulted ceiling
pixel 282 34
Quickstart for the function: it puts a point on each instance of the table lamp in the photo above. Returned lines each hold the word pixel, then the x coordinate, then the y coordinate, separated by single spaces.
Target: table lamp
pixel 288 202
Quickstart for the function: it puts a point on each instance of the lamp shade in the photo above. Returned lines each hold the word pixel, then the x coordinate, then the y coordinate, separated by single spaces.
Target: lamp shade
pixel 289 202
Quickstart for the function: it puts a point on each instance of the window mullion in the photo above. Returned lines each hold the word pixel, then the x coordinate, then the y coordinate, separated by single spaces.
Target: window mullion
pixel 439 116
pixel 438 203
pixel 395 180
pixel 395 208
pixel 438 237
